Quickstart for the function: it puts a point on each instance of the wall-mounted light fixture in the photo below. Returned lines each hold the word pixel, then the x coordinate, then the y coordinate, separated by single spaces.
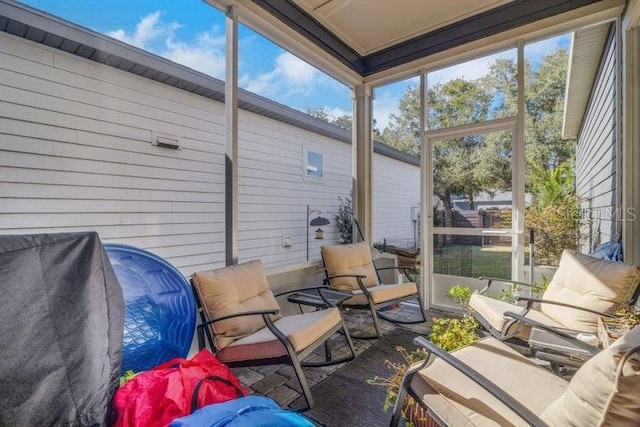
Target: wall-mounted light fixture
pixel 315 222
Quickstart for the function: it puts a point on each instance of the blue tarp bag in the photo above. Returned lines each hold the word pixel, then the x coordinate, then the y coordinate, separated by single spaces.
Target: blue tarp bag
pixel 608 250
pixel 249 411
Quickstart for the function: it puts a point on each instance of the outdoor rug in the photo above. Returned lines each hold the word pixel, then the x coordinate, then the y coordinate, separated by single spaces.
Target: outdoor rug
pixel 345 399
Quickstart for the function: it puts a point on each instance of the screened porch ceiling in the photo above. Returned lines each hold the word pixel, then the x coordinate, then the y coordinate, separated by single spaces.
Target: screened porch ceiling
pixel 363 41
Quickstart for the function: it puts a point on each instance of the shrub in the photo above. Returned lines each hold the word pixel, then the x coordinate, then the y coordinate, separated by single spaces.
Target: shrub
pixel 344 220
pixel 554 213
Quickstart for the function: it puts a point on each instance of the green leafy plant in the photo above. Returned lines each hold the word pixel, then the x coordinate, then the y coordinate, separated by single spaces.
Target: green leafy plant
pixel 344 220
pixel 509 295
pixel 453 333
pixel 460 294
pixel 554 213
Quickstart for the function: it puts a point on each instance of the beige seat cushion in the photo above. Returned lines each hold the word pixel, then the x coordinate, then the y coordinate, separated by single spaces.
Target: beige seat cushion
pixel 349 259
pixel 591 283
pixel 303 330
pixel 383 293
pixel 459 401
pixel 602 392
pixel 235 289
pixel 492 310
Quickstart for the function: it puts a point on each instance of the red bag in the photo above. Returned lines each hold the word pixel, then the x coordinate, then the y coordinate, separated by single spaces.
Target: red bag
pixel 174 389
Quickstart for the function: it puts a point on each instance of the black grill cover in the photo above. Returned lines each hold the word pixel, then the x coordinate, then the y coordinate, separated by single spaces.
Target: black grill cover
pixel 61 324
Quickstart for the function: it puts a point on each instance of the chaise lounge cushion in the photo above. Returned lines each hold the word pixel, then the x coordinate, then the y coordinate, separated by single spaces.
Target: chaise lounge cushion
pixel 491 310
pixel 235 289
pixel 592 283
pixel 353 259
pixel 603 392
pixel 459 401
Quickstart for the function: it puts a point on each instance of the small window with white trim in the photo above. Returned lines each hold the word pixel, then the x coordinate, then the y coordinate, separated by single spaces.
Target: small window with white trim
pixel 314 164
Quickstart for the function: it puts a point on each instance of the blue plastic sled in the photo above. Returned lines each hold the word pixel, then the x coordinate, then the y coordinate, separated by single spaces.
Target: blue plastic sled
pixel 160 310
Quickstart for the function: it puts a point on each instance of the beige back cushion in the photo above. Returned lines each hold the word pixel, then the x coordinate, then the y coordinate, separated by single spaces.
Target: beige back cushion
pixel 591 283
pixel 349 259
pixel 235 289
pixel 603 392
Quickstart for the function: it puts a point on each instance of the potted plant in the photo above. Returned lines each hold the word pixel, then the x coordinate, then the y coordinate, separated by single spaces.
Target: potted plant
pixel 450 333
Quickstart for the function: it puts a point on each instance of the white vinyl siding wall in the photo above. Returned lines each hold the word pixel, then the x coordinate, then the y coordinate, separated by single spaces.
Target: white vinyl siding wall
pixel 596 157
pixel 76 155
pixel 396 189
pixel 274 191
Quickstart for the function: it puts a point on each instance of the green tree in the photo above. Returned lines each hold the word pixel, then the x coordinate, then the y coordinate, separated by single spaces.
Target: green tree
pixel 403 130
pixel 481 163
pixel 545 106
pixel 462 166
pixel 345 121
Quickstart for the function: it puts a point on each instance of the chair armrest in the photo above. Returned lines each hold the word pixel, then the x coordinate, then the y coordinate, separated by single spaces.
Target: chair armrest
pixel 563 335
pixel 522 411
pixel 532 300
pixel 200 328
pixel 490 280
pixel 244 313
pixel 358 278
pixel 404 269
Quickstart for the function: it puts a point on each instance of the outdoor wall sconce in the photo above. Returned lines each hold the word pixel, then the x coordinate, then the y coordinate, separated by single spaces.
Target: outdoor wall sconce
pixel 315 222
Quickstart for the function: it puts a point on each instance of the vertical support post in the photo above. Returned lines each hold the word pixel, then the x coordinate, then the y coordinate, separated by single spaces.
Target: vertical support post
pixel 618 214
pixel 631 142
pixel 426 199
pixel 518 176
pixel 231 151
pixel 363 158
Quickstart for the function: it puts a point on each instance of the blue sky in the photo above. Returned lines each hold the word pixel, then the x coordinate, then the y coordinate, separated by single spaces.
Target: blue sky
pixel 191 32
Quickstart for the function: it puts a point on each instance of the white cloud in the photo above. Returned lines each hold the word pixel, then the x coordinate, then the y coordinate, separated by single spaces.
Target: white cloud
pixel 204 52
pixel 148 30
pixel 336 112
pixel 384 105
pixel 290 76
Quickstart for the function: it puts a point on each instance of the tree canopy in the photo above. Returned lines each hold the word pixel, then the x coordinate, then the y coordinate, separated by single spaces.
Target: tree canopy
pixel 482 163
pixel 479 163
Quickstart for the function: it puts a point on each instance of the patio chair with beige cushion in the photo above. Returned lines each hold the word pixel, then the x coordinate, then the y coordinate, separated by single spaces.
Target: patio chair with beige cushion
pixel 350 268
pixel 242 320
pixel 489 384
pixel 581 290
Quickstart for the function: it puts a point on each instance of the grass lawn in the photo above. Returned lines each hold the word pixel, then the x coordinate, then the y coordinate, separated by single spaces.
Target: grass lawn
pixel 474 261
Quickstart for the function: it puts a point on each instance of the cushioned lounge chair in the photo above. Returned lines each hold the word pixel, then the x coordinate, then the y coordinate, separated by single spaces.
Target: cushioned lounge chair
pixel 242 321
pixel 489 384
pixel 350 268
pixel 582 289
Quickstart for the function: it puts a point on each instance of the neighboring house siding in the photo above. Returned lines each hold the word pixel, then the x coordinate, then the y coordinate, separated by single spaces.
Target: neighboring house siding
pixel 274 191
pixel 76 154
pixel 396 189
pixel 596 158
